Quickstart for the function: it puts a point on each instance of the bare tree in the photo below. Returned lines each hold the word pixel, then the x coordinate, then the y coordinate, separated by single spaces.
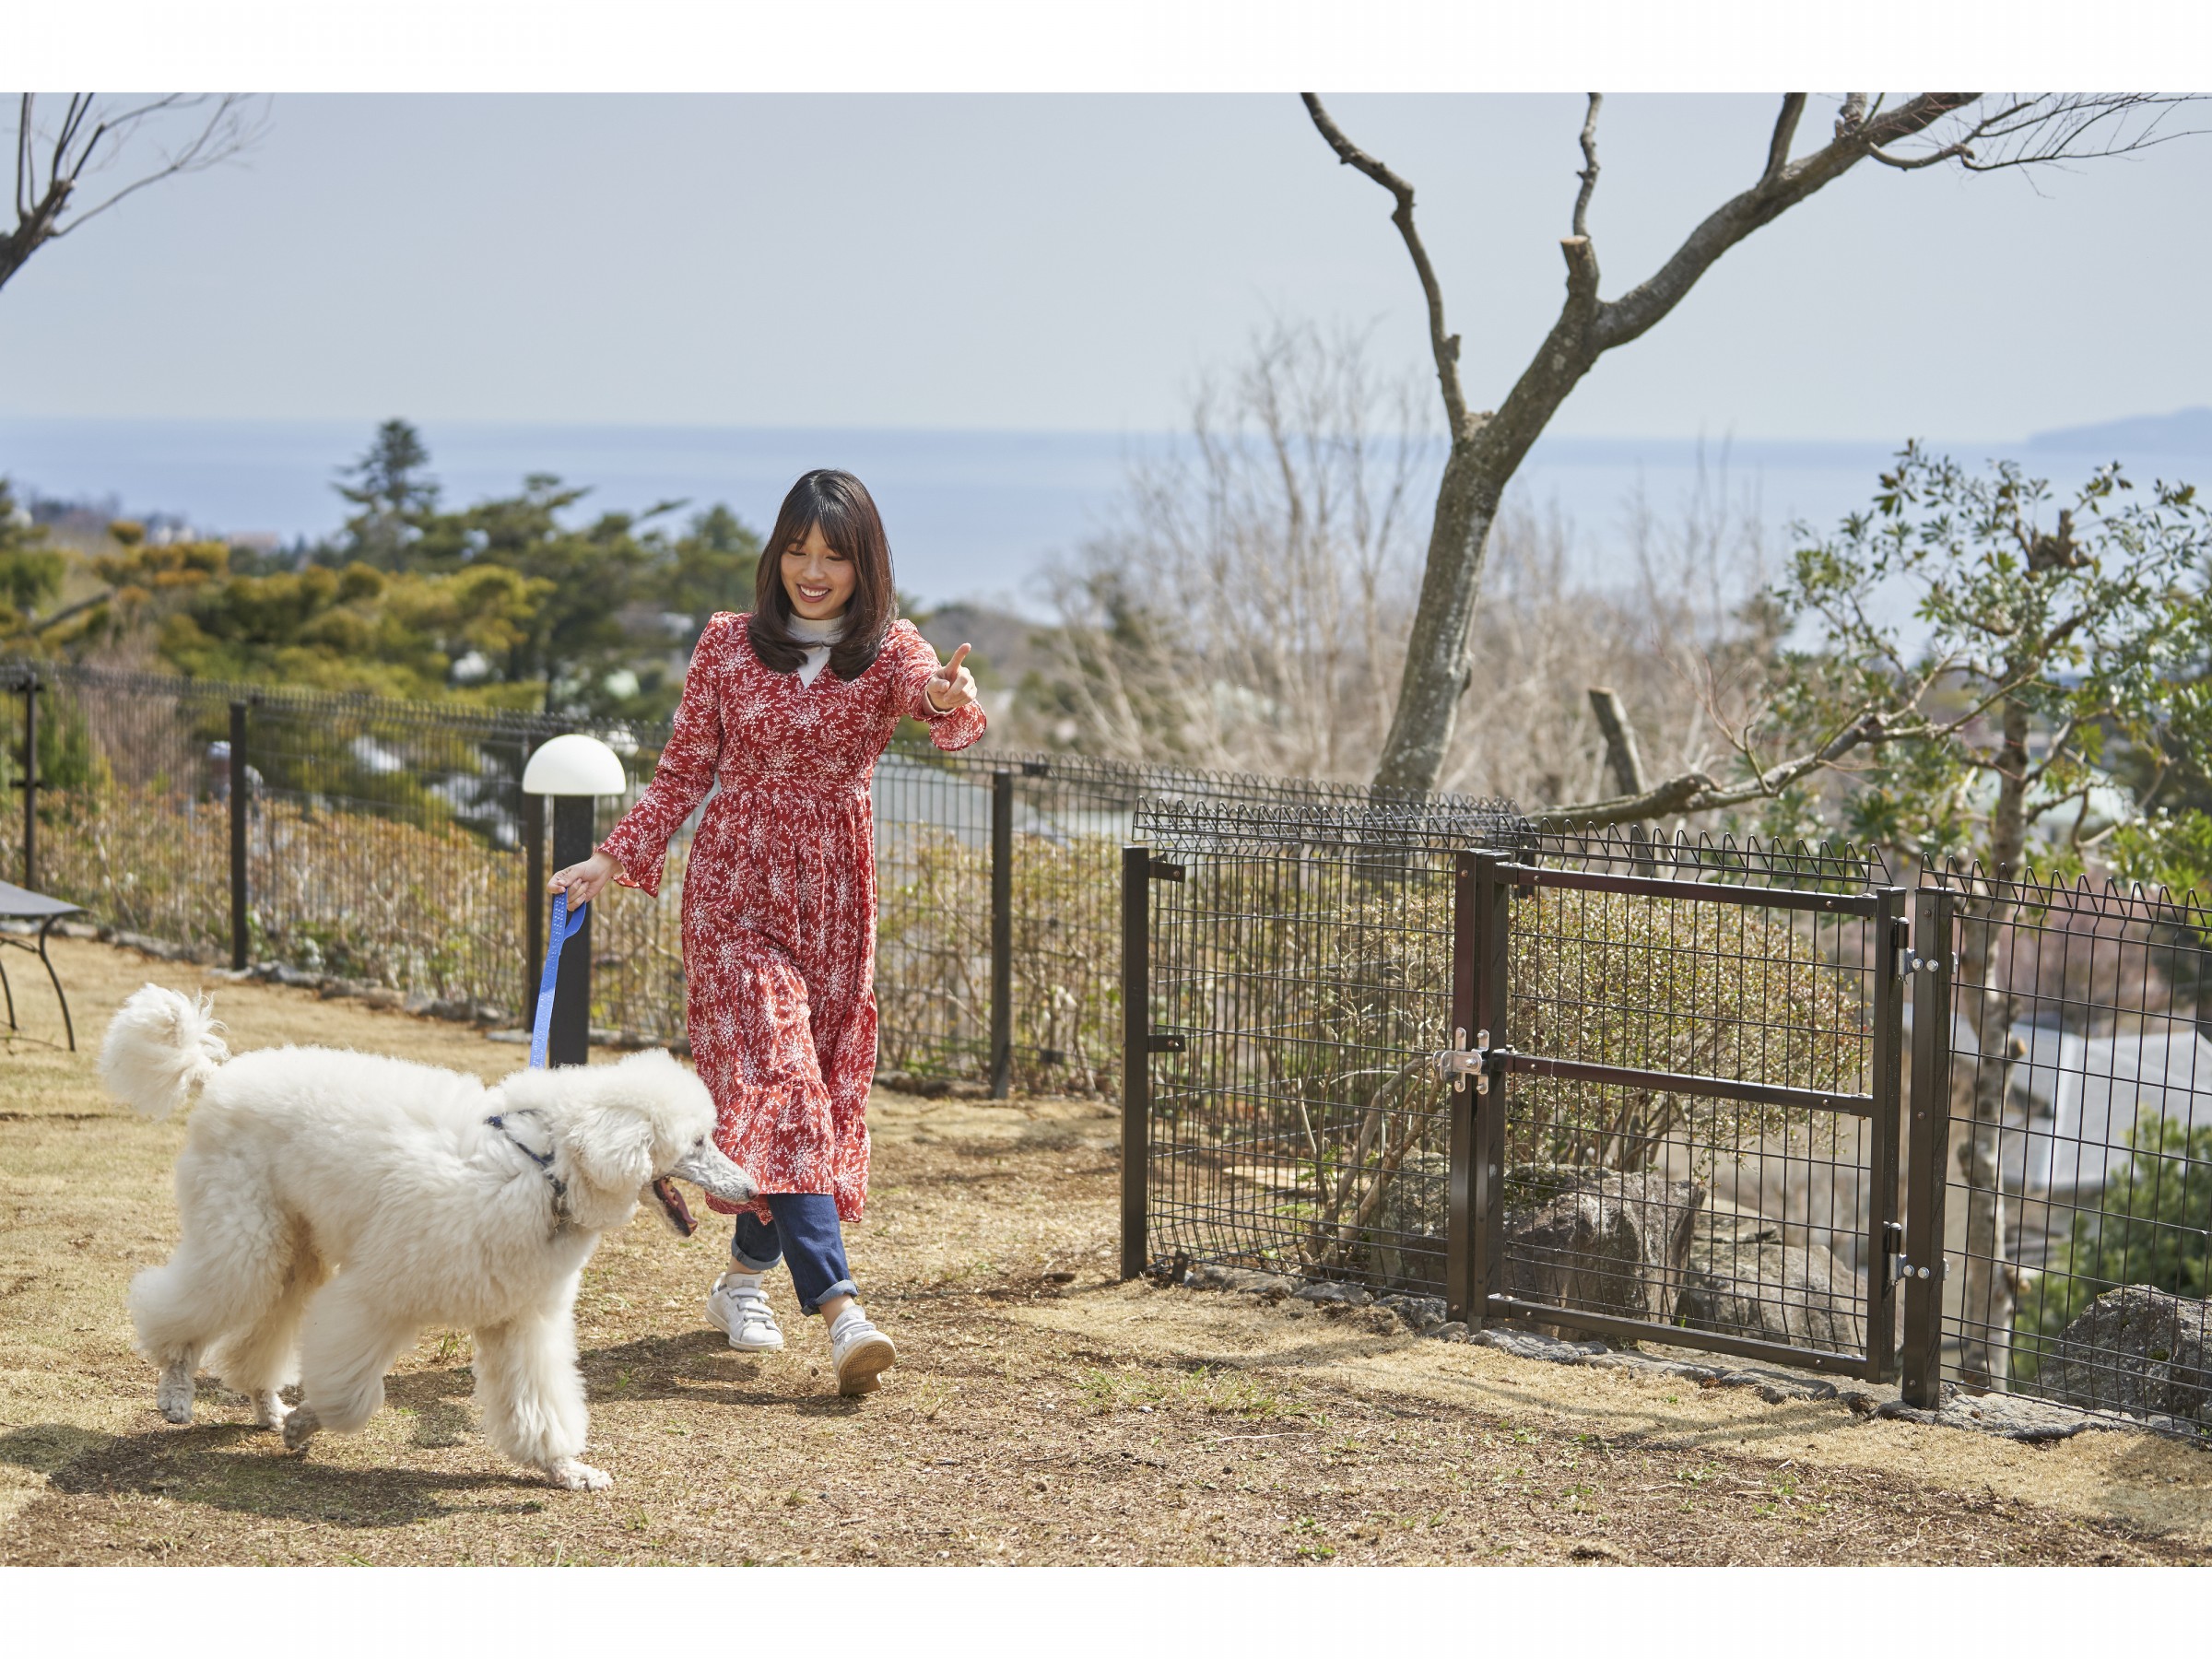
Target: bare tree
pixel 100 151
pixel 1247 610
pixel 1977 132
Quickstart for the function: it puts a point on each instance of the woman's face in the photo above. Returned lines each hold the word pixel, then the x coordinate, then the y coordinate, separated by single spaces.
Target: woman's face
pixel 817 577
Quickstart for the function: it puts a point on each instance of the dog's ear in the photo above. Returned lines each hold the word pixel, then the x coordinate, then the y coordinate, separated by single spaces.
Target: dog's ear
pixel 610 1149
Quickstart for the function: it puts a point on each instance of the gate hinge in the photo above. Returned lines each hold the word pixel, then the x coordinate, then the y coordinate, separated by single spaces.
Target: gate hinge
pixel 1909 961
pixel 1164 1042
pixel 1901 1269
pixel 1161 870
pixel 1456 1065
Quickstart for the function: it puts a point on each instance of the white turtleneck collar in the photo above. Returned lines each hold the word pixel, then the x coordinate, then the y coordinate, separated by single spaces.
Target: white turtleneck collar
pixel 819 637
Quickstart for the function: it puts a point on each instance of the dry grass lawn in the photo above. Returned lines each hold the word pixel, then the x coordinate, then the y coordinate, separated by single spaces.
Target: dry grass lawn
pixel 1036 1418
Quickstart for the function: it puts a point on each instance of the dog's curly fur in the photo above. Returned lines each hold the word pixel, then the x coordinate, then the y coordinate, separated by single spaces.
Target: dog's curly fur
pixel 336 1204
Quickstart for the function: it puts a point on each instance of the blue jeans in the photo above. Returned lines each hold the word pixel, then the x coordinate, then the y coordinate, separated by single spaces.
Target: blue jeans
pixel 806 1231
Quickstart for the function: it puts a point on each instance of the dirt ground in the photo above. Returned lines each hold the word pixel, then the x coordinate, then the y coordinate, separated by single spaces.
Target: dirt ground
pixel 1035 1417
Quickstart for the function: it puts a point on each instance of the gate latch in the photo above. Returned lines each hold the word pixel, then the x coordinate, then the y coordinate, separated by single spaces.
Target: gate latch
pixel 1456 1065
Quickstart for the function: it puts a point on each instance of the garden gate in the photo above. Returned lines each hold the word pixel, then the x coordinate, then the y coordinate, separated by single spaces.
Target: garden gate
pixel 1626 1086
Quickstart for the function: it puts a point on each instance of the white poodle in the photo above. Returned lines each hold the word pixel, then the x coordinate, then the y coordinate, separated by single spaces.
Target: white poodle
pixel 335 1204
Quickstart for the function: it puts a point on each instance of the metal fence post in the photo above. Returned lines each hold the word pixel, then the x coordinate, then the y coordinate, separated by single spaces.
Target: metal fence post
pixel 1487 1002
pixel 238 835
pixel 570 1040
pixel 1136 1054
pixel 1929 1138
pixel 1884 1236
pixel 1002 935
pixel 30 779
pixel 534 895
pixel 1462 1292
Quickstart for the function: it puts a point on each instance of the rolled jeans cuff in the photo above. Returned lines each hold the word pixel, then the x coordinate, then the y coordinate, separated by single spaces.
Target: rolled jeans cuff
pixel 843 1287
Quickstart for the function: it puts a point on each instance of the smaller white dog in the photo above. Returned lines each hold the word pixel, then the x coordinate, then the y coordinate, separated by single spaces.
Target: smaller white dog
pixel 336 1204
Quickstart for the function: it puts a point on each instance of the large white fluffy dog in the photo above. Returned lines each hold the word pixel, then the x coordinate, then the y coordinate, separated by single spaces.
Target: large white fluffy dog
pixel 336 1204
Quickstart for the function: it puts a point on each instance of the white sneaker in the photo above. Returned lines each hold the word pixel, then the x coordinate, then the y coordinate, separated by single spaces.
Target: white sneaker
pixel 860 1352
pixel 739 1307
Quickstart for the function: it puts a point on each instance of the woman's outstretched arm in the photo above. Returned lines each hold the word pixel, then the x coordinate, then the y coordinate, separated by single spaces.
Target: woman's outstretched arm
pixel 942 694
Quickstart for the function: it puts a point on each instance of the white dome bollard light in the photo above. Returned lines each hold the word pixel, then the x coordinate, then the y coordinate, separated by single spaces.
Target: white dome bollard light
pixel 574 770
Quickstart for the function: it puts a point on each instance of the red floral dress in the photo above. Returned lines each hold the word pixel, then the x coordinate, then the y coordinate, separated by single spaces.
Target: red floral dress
pixel 780 894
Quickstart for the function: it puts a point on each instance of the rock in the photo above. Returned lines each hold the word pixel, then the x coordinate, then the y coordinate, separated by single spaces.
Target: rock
pixel 1598 1240
pixel 2020 1417
pixel 1453 1330
pixel 1420 1312
pixel 2135 1349
pixel 1741 1280
pixel 1535 1345
pixel 1351 1295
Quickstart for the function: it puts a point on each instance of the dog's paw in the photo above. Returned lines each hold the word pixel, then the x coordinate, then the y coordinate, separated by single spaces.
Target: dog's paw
pixel 579 1476
pixel 269 1409
pixel 173 1395
pixel 300 1426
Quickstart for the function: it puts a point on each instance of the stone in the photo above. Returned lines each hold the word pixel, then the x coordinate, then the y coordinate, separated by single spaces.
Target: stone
pixel 1420 1312
pixel 1742 1280
pixel 1454 1330
pixel 1535 1345
pixel 1350 1295
pixel 1599 1241
pixel 2136 1350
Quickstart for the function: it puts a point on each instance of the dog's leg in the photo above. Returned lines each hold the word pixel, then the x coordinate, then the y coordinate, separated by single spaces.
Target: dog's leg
pixel 532 1394
pixel 267 1358
pixel 173 1392
pixel 346 1345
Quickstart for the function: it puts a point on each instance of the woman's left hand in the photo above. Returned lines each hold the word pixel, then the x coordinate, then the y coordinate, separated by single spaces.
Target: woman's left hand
pixel 952 686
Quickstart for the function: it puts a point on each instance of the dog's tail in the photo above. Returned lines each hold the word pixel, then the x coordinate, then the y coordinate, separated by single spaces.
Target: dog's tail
pixel 160 1048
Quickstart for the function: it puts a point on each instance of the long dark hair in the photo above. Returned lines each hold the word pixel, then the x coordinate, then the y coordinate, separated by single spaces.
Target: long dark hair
pixel 841 504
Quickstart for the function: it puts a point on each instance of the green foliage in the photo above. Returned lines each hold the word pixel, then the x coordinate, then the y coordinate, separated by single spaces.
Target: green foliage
pixel 395 496
pixel 2042 645
pixel 2153 1227
pixel 31 571
pixel 357 630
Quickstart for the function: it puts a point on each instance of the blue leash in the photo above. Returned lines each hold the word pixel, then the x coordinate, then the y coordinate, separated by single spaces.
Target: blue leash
pixel 564 927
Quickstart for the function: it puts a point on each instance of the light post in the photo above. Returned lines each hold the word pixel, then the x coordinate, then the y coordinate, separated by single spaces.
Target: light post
pixel 575 770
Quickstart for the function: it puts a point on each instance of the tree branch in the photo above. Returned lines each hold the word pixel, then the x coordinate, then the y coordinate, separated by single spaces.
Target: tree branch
pixel 1443 343
pixel 1785 131
pixel 1641 307
pixel 1580 223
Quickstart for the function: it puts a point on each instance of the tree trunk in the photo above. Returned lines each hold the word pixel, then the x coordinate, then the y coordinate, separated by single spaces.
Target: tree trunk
pixel 1439 653
pixel 1988 1294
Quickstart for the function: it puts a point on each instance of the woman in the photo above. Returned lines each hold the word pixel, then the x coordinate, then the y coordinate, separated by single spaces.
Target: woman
pixel 787 708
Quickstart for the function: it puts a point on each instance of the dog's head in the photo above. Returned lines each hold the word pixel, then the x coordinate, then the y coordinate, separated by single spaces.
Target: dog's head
pixel 620 1131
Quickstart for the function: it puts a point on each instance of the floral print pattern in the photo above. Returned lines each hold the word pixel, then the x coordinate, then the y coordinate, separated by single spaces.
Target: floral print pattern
pixel 779 923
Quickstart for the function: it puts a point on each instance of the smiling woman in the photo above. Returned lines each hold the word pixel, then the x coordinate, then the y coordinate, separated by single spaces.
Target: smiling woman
pixel 779 923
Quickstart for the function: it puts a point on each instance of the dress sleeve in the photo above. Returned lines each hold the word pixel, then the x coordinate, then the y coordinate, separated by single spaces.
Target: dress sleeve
pixel 914 660
pixel 686 770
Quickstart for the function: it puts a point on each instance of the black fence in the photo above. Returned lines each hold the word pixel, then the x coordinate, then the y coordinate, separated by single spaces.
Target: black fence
pixel 2069 1148
pixel 389 843
pixel 1659 1090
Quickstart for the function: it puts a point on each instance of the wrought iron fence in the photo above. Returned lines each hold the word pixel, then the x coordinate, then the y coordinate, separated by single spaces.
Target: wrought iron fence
pixel 2069 1143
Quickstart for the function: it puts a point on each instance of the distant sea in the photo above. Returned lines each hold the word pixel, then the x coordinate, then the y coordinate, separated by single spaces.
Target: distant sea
pixel 973 515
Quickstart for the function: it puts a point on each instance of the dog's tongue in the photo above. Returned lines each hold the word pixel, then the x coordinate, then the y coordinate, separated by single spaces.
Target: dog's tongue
pixel 673 1206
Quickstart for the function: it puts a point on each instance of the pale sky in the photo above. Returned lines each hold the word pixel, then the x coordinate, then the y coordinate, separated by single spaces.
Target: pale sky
pixel 1068 263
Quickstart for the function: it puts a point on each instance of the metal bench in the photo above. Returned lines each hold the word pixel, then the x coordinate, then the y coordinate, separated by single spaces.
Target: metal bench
pixel 23 905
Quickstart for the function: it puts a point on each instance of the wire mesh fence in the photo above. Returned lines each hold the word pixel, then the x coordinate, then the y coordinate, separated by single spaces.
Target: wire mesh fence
pixel 1300 976
pixel 388 843
pixel 1688 1057
pixel 1701 1098
pixel 2075 1085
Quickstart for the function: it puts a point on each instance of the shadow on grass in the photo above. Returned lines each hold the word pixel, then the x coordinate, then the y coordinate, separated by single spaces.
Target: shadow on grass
pixel 210 1464
pixel 699 1368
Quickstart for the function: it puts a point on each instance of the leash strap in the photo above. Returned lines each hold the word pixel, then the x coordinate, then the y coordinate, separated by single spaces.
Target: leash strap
pixel 564 927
